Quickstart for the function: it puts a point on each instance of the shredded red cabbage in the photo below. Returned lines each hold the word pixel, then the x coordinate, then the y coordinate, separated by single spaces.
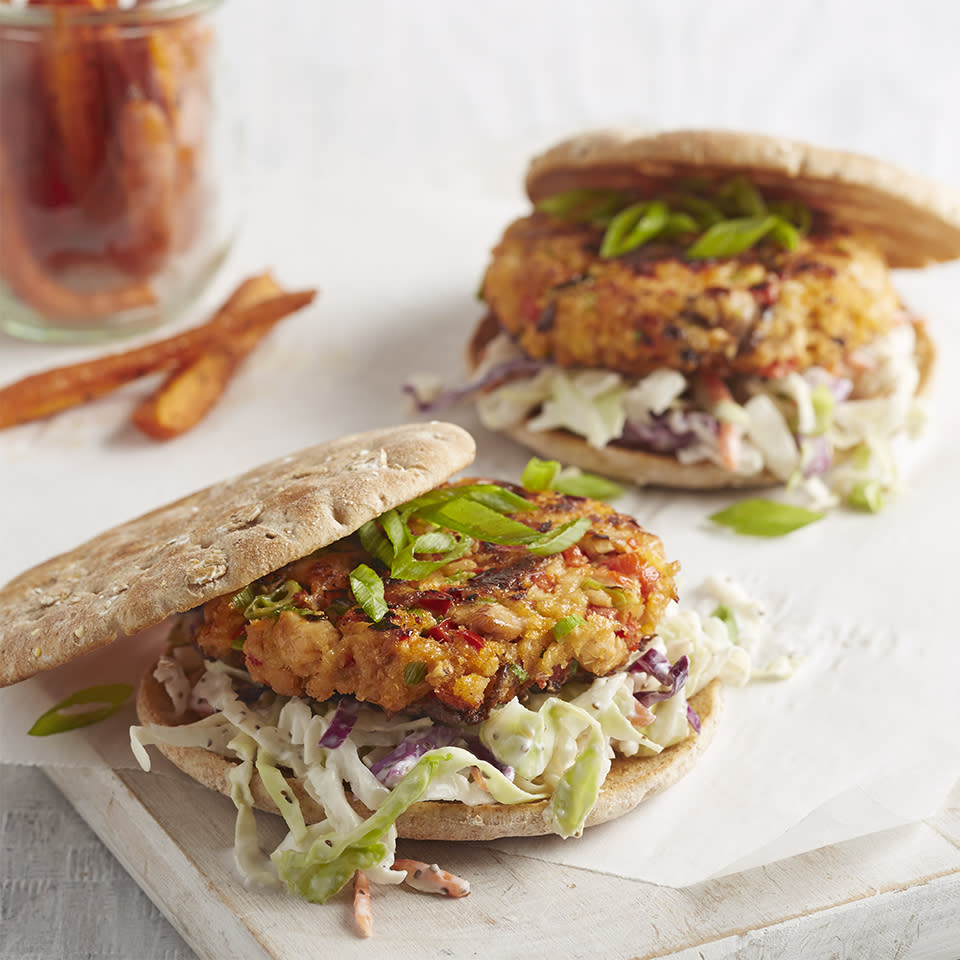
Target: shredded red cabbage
pixel 654 663
pixel 508 370
pixel 693 718
pixel 674 678
pixel 344 717
pixel 392 768
pixel 667 432
pixel 820 457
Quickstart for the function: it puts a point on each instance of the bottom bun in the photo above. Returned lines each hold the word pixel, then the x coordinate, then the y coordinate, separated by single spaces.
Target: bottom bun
pixel 630 780
pixel 641 467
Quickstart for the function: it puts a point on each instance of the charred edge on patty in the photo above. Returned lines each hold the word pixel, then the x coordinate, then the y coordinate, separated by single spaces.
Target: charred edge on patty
pixel 471 635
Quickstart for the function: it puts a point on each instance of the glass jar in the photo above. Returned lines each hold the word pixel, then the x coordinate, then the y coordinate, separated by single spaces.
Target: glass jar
pixel 119 146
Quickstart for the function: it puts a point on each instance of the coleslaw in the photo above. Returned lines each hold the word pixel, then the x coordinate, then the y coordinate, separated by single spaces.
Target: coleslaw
pixel 553 747
pixel 828 437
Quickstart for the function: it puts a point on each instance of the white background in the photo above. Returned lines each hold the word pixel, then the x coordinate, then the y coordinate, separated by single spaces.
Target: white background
pixel 454 97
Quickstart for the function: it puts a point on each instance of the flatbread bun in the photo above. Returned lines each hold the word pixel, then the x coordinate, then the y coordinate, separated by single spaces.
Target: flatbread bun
pixel 630 780
pixel 638 466
pixel 216 541
pixel 915 221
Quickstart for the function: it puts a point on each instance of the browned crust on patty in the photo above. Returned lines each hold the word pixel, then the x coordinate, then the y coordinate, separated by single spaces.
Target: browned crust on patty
pixel 763 312
pixel 630 780
pixel 216 541
pixel 914 220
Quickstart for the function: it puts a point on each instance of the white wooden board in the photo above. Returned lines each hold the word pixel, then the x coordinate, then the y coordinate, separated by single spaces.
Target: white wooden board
pixel 890 895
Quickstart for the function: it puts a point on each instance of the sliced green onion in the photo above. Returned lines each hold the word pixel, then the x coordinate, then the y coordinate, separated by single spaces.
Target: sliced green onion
pixel 867 495
pixel 633 227
pixel 367 588
pixel 824 403
pixel 680 223
pixel 730 237
pixel 742 197
pixel 765 518
pixel 795 212
pixel 414 672
pixel 238 642
pixel 375 542
pixel 480 522
pixel 724 613
pixel 703 211
pixel 539 474
pixel 112 695
pixel 518 671
pixel 561 538
pixel 407 565
pixel 584 204
pixel 547 475
pixel 274 603
pixel 619 596
pixel 396 530
pixel 784 234
pixel 577 483
pixel 244 598
pixel 567 624
pixel 491 495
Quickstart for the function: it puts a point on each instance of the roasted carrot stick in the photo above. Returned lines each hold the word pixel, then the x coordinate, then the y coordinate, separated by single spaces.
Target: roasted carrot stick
pixel 192 390
pixel 362 912
pixel 43 394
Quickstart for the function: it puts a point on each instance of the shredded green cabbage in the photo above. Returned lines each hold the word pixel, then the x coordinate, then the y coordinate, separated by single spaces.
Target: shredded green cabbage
pixel 557 747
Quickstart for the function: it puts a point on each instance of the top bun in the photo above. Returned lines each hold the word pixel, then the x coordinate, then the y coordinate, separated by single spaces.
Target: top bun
pixel 216 541
pixel 913 220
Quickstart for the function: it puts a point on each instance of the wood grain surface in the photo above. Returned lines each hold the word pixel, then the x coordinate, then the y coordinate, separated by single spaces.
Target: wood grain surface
pixel 889 895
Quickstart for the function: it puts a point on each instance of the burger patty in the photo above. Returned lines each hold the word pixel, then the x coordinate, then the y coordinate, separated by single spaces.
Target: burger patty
pixel 496 623
pixel 764 312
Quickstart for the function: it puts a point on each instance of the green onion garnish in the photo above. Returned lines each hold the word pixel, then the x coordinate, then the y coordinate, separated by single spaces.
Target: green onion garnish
pixel 724 613
pixel 271 604
pixel 765 518
pixel 367 588
pixel 414 672
pixel 458 516
pixel 823 403
pixel 238 642
pixel 539 474
pixel 518 671
pixel 561 538
pixel 867 496
pixel 584 204
pixel 730 237
pixel 564 626
pixel 547 475
pixel 112 695
pixel 576 483
pixel 633 227
pixel 741 198
pixel 244 598
pixel 730 216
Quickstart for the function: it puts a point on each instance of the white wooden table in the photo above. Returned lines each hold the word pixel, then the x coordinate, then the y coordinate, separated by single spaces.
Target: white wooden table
pixel 890 895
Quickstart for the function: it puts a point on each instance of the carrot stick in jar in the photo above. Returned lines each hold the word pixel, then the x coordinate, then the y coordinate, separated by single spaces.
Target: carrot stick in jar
pixel 27 278
pixel 148 171
pixel 73 84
